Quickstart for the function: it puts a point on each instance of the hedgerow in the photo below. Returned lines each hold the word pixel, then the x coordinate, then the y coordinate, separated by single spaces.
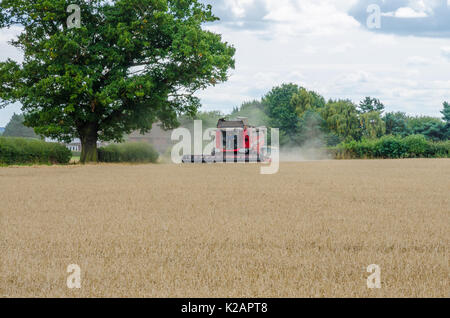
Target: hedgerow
pixel 128 152
pixel 392 147
pixel 15 150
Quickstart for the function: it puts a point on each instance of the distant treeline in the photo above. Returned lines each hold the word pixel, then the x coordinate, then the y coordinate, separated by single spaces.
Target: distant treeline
pixel 305 116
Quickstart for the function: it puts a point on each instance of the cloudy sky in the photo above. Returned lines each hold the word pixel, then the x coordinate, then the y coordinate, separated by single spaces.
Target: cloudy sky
pixel 327 46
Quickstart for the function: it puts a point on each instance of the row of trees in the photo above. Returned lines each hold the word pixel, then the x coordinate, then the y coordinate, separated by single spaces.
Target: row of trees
pixel 303 115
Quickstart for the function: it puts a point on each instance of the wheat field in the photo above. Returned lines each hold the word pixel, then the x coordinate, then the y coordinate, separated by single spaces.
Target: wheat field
pixel 225 230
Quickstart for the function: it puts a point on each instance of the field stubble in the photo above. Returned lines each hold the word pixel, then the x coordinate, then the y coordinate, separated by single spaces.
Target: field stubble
pixel 225 230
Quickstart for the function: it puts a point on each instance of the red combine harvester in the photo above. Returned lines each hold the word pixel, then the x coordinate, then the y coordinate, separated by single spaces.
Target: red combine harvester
pixel 236 141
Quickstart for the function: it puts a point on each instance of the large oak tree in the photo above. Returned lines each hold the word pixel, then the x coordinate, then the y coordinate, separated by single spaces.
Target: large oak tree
pixel 130 64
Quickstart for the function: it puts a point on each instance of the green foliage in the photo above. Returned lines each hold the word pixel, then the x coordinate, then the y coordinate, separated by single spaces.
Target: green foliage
pixel 357 149
pixel 304 101
pixel 132 63
pixel 128 152
pixel 416 146
pixel 440 149
pixel 109 153
pixel 432 128
pixel 392 147
pixel 286 106
pixel 14 150
pixel 16 128
pixel 446 112
pixel 370 105
pixel 418 122
pixel 341 118
pixel 372 125
pixel 281 111
pixel 396 124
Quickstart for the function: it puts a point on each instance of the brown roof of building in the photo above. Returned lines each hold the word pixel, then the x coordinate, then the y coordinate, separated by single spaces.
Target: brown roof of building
pixel 230 123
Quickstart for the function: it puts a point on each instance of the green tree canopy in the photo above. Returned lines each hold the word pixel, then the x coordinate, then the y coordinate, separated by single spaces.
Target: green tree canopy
pixel 372 125
pixel 130 64
pixel 370 104
pixel 446 116
pixel 396 124
pixel 305 100
pixel 281 111
pixel 342 119
pixel 16 128
pixel 431 127
pixel 446 112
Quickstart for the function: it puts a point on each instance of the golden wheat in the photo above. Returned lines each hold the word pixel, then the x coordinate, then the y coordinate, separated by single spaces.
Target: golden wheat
pixel 225 230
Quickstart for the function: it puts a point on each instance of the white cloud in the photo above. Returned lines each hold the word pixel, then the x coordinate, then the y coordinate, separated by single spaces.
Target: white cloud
pixel 239 7
pixel 383 39
pixel 309 49
pixel 427 6
pixel 352 79
pixel 406 13
pixel 342 48
pixel 416 9
pixel 445 51
pixel 7 34
pixel 307 17
pixel 6 50
pixel 418 61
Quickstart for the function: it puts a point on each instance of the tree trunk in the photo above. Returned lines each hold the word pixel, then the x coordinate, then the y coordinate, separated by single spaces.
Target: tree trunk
pixel 89 137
